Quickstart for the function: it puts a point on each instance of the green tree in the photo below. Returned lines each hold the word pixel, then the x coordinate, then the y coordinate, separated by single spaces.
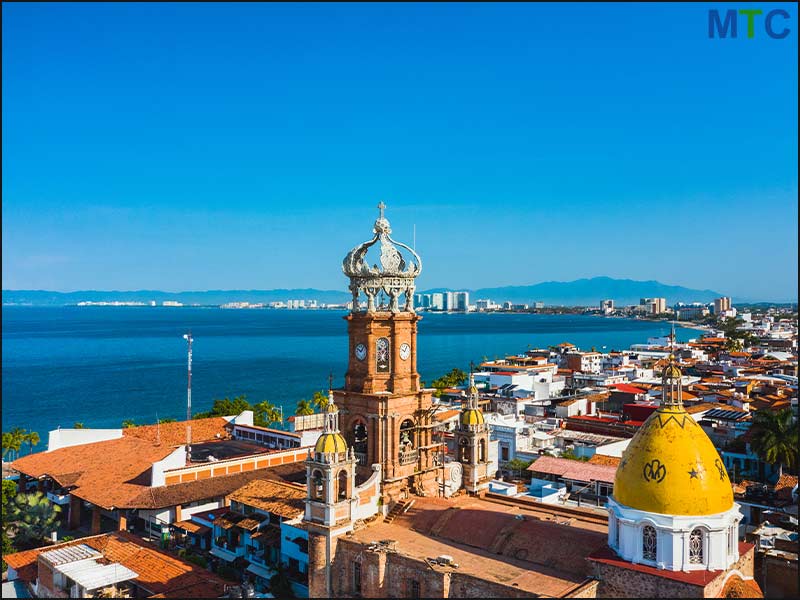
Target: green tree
pixel 454 378
pixel 128 423
pixel 225 407
pixel 33 439
pixel 319 400
pixel 9 491
pixel 518 466
pixel 265 414
pixel 78 425
pixel 167 420
pixel 774 437
pixel 12 441
pixel 32 517
pixel 304 408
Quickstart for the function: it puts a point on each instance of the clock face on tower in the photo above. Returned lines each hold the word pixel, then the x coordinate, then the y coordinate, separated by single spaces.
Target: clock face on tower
pixel 361 352
pixel 405 351
pixel 382 354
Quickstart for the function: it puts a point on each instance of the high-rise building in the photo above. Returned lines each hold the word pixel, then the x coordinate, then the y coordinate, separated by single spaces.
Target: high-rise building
pixel 606 305
pixel 654 306
pixel 721 305
pixel 460 301
pixel 438 301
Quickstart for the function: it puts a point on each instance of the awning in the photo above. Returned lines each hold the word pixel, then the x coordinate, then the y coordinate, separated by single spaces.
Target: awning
pixel 92 575
pixel 223 554
pixel 192 527
pixel 263 572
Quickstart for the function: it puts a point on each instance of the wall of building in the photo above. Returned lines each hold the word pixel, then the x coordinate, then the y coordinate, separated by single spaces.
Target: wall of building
pixel 64 438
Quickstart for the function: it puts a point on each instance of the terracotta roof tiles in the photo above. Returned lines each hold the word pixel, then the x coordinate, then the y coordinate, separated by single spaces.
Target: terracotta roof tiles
pixel 161 574
pixel 283 499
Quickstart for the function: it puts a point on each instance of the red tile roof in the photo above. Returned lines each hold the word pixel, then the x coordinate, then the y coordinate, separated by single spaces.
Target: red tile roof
pixel 628 389
pixel 109 473
pixel 574 469
pixel 159 573
pixel 174 434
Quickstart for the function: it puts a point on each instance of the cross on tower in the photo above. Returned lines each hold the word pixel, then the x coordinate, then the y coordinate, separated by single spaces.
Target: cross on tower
pixel 381 206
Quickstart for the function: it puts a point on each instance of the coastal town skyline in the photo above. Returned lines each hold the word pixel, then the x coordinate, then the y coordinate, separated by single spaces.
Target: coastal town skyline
pixel 540 150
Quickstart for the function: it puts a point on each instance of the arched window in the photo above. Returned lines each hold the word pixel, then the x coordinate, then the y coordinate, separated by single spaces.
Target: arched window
pixel 649 543
pixel 407 435
pixel 360 437
pixel 464 454
pixel 696 546
pixel 482 450
pixel 317 488
pixel 342 485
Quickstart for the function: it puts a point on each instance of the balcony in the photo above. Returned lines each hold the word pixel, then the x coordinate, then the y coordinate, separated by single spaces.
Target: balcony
pixel 60 499
pixel 361 458
pixel 408 457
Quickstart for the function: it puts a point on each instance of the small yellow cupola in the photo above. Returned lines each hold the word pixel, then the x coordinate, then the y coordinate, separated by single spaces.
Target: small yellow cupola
pixel 472 415
pixel 670 466
pixel 331 441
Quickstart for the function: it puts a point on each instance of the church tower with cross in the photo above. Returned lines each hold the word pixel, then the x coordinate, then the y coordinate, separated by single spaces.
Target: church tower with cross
pixel 472 442
pixel 385 412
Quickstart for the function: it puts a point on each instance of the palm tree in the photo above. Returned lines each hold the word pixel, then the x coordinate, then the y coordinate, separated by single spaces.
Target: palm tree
pixel 304 408
pixel 266 413
pixel 320 400
pixel 32 517
pixel 32 438
pixel 12 440
pixel 775 438
pixel 78 425
pixel 127 423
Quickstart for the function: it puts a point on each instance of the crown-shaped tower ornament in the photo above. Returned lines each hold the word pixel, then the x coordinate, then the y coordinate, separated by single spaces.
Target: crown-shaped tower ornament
pixel 393 278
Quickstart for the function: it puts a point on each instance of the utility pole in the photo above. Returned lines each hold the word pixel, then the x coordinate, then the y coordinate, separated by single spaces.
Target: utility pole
pixel 189 339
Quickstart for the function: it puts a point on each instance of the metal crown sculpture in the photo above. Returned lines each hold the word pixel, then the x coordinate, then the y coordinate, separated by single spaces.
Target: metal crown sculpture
pixel 391 277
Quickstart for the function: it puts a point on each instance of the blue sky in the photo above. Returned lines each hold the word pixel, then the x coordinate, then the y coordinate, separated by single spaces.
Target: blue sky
pixel 230 146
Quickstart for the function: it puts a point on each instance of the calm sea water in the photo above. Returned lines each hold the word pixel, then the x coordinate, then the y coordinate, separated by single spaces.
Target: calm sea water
pixel 101 365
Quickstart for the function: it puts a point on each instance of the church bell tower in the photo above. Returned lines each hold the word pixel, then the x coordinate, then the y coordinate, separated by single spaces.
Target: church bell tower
pixel 386 415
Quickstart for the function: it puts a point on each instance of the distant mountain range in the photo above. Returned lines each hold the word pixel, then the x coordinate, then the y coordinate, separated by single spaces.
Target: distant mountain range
pixel 589 292
pixel 581 292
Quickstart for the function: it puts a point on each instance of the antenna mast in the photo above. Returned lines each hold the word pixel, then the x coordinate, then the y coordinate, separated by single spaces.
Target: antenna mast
pixel 189 339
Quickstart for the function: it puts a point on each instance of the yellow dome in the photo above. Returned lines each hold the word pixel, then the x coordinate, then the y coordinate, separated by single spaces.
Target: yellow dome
pixel 331 408
pixel 671 371
pixel 472 416
pixel 331 442
pixel 672 468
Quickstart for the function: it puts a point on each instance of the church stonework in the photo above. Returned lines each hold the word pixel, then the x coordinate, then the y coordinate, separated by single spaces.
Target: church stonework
pixel 385 414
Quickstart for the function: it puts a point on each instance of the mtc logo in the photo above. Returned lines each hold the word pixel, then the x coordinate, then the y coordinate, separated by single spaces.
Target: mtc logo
pixel 728 25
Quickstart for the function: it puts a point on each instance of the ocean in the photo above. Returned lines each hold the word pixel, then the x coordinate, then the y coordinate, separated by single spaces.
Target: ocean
pixel 102 365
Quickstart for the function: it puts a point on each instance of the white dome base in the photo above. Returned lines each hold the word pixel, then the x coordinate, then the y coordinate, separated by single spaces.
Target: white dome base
pixel 674 542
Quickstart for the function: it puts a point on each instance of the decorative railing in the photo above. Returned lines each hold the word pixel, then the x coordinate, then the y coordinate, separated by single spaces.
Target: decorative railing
pixel 361 458
pixel 408 457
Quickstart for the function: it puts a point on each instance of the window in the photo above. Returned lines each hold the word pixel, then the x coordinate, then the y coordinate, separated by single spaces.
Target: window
pixel 414 592
pixel 382 355
pixel 616 533
pixel 342 485
pixel 357 578
pixel 649 543
pixel 696 547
